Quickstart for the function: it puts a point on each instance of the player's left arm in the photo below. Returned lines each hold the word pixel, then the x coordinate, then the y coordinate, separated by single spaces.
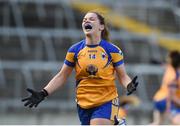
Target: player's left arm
pixel 118 63
pixel 123 77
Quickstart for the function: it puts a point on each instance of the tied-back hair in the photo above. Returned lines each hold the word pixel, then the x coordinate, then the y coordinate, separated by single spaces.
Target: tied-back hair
pixel 105 32
pixel 175 58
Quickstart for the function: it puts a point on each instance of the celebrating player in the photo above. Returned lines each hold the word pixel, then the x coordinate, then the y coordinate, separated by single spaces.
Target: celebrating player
pixel 96 62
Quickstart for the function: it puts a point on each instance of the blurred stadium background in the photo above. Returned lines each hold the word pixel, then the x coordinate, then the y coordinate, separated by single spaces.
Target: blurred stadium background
pixel 34 38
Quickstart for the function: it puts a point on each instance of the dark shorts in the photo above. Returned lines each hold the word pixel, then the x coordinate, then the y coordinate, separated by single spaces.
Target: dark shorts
pixel 107 111
pixel 160 105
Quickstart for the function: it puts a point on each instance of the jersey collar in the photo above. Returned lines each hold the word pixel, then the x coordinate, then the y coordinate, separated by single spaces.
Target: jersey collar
pixel 92 46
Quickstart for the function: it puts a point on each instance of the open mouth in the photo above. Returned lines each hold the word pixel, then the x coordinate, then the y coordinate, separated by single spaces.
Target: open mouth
pixel 87 26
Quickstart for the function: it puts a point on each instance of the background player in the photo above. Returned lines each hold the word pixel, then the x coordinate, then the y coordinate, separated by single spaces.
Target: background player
pixel 161 96
pixel 174 92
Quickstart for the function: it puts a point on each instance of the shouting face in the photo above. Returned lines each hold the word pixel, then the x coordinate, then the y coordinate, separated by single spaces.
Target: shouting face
pixel 91 24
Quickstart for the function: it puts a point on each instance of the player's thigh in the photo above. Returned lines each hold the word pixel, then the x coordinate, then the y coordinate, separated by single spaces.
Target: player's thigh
pixel 105 113
pixel 100 121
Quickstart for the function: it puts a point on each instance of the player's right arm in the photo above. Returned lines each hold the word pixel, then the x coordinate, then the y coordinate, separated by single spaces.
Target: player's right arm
pixel 55 83
pixel 59 79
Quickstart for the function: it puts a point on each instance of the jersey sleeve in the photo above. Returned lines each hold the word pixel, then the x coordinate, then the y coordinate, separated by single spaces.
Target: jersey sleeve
pixel 117 56
pixel 69 60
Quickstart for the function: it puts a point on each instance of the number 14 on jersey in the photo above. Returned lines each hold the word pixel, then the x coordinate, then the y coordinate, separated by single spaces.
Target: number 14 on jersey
pixel 92 56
